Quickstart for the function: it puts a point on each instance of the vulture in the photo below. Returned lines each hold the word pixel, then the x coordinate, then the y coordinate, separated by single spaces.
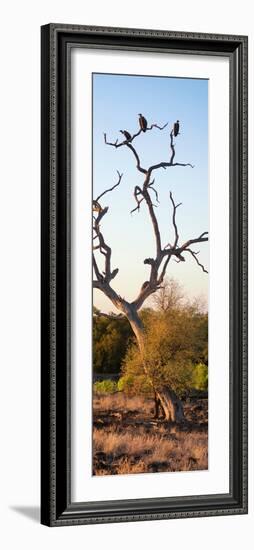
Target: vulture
pixel 176 128
pixel 126 134
pixel 142 122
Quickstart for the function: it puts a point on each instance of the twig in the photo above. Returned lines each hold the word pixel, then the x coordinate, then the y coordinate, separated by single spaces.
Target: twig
pixel 194 255
pixel 175 206
pixel 111 188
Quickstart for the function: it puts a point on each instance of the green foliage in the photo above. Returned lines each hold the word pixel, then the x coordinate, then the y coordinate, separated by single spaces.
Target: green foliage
pixel 104 387
pixel 134 384
pixel 175 341
pixel 200 377
pixel 126 383
pixel 110 340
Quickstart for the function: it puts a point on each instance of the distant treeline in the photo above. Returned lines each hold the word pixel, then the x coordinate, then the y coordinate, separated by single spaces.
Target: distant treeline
pixel 111 338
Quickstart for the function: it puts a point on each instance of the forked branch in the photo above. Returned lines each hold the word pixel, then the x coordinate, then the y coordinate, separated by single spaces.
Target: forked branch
pixel 111 188
pixel 133 136
pixel 100 244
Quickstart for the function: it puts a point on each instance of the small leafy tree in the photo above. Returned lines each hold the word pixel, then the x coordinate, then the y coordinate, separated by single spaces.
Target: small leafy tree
pixel 175 345
pixel 167 356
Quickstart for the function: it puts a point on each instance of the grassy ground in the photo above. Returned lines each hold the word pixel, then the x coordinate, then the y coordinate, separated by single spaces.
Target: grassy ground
pixel 128 440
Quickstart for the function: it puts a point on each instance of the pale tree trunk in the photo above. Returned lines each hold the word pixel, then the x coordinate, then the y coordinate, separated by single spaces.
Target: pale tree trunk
pixel 157 406
pixel 171 405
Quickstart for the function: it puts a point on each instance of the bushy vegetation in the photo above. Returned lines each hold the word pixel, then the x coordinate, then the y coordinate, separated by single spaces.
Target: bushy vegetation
pixel 175 353
pixel 200 377
pixel 110 341
pixel 176 347
pixel 132 384
pixel 104 387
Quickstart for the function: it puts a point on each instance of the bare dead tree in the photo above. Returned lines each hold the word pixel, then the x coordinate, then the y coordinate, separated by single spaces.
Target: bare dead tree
pixel 170 296
pixel 171 405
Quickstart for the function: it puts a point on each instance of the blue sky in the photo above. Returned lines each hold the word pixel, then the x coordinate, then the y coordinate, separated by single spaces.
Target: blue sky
pixel 117 100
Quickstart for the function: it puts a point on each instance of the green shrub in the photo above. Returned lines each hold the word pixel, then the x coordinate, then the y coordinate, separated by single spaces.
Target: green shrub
pixel 174 342
pixel 200 377
pixel 126 383
pixel 132 384
pixel 105 386
pixel 110 340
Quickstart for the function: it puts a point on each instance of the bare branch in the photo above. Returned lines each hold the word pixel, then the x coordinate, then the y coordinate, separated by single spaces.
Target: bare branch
pixel 150 186
pixel 137 192
pixel 113 143
pixel 175 206
pixel 96 270
pixel 167 165
pixel 194 255
pixel 163 273
pixel 103 247
pixel 178 251
pixel 139 167
pixel 98 285
pixel 157 126
pixel 146 290
pixel 183 164
pixel 111 188
pixel 134 136
pixel 149 287
pixel 154 220
pixel 172 146
pixel 128 143
pixel 200 239
pixel 170 163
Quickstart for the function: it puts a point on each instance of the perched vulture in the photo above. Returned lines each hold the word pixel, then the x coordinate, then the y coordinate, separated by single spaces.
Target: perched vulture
pixel 142 122
pixel 176 128
pixel 126 134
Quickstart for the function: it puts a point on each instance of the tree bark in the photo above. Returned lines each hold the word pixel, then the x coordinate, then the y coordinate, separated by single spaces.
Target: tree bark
pixel 156 406
pixel 171 405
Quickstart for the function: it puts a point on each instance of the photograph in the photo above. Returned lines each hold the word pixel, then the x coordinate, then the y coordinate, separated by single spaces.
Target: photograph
pixel 150 241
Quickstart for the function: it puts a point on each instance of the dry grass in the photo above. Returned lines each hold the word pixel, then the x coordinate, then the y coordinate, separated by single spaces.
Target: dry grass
pixel 127 440
pixel 120 402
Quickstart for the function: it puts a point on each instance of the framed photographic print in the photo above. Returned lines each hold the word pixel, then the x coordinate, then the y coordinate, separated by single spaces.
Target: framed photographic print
pixel 144 275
